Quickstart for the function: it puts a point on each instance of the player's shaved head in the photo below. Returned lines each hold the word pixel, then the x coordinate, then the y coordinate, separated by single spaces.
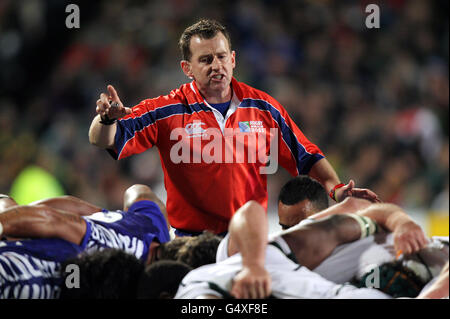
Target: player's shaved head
pixel 139 192
pixel 136 193
pixel 299 198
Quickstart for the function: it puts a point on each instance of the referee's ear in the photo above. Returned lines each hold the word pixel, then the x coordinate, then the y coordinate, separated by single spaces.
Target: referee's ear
pixel 186 67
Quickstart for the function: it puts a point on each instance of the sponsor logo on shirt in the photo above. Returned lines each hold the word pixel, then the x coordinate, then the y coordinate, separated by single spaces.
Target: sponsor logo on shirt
pixel 259 146
pixel 251 127
pixel 195 129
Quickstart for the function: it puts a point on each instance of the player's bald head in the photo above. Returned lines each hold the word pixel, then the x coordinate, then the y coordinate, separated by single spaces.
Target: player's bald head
pixel 136 193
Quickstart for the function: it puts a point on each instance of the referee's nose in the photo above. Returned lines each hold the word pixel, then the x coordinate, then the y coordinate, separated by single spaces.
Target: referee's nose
pixel 216 63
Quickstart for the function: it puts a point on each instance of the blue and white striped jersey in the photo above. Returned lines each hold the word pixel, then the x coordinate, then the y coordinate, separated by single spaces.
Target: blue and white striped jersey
pixel 31 268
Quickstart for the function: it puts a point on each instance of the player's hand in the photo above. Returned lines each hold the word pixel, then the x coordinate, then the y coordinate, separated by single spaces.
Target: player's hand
pixel 350 190
pixel 409 238
pixel 104 107
pixel 252 282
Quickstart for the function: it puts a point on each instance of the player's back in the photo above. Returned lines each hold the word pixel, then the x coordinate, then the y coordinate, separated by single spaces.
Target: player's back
pixel 30 269
pixel 132 231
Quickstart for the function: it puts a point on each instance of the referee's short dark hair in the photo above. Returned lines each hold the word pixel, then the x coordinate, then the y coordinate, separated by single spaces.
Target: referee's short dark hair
pixel 304 187
pixel 205 29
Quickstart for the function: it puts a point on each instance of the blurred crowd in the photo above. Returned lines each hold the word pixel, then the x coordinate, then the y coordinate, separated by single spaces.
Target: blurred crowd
pixel 376 101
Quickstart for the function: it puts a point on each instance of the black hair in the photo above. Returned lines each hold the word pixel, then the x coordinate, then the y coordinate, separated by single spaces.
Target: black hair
pixel 200 250
pixel 395 280
pixel 170 249
pixel 106 274
pixel 304 187
pixel 161 279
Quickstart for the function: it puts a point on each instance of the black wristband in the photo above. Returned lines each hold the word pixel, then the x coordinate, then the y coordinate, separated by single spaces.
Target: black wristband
pixel 106 120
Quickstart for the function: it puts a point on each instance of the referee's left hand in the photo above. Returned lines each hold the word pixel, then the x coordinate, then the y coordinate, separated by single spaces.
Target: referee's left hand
pixel 350 190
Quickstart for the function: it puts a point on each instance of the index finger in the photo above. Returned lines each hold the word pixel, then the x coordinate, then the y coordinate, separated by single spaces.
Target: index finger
pixel 366 194
pixel 112 91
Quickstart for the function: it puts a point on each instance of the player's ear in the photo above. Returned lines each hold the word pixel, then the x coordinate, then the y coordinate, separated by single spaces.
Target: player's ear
pixel 186 67
pixel 233 59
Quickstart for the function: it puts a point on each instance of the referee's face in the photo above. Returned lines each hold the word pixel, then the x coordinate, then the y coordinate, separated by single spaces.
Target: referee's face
pixel 211 66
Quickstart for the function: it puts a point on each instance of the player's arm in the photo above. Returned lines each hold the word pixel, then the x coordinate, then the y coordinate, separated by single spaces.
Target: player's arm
pixel 408 235
pixel 248 232
pixel 101 133
pixel 42 222
pixel 69 204
pixel 312 243
pixel 348 206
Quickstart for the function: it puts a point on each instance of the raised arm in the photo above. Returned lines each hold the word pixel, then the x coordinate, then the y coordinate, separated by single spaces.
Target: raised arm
pixel 248 232
pixel 41 222
pixel 102 132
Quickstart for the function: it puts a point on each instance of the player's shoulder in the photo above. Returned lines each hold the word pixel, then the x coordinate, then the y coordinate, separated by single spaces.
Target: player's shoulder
pixel 251 95
pixel 248 91
pixel 174 97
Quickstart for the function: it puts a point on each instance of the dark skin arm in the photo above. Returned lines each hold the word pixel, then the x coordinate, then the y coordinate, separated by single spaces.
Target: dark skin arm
pixel 39 221
pixel 69 204
pixel 314 242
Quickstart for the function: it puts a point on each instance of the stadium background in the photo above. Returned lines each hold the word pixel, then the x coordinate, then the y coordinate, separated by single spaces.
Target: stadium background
pixel 376 101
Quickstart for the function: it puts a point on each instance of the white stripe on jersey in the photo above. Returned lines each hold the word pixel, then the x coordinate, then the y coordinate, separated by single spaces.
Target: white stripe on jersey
pixel 102 237
pixel 17 271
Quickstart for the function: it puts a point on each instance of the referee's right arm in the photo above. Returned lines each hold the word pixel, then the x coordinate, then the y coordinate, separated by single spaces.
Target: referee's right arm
pixel 102 135
pixel 104 126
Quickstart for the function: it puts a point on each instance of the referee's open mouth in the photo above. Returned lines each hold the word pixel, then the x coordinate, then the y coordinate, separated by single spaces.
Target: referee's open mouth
pixel 217 77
